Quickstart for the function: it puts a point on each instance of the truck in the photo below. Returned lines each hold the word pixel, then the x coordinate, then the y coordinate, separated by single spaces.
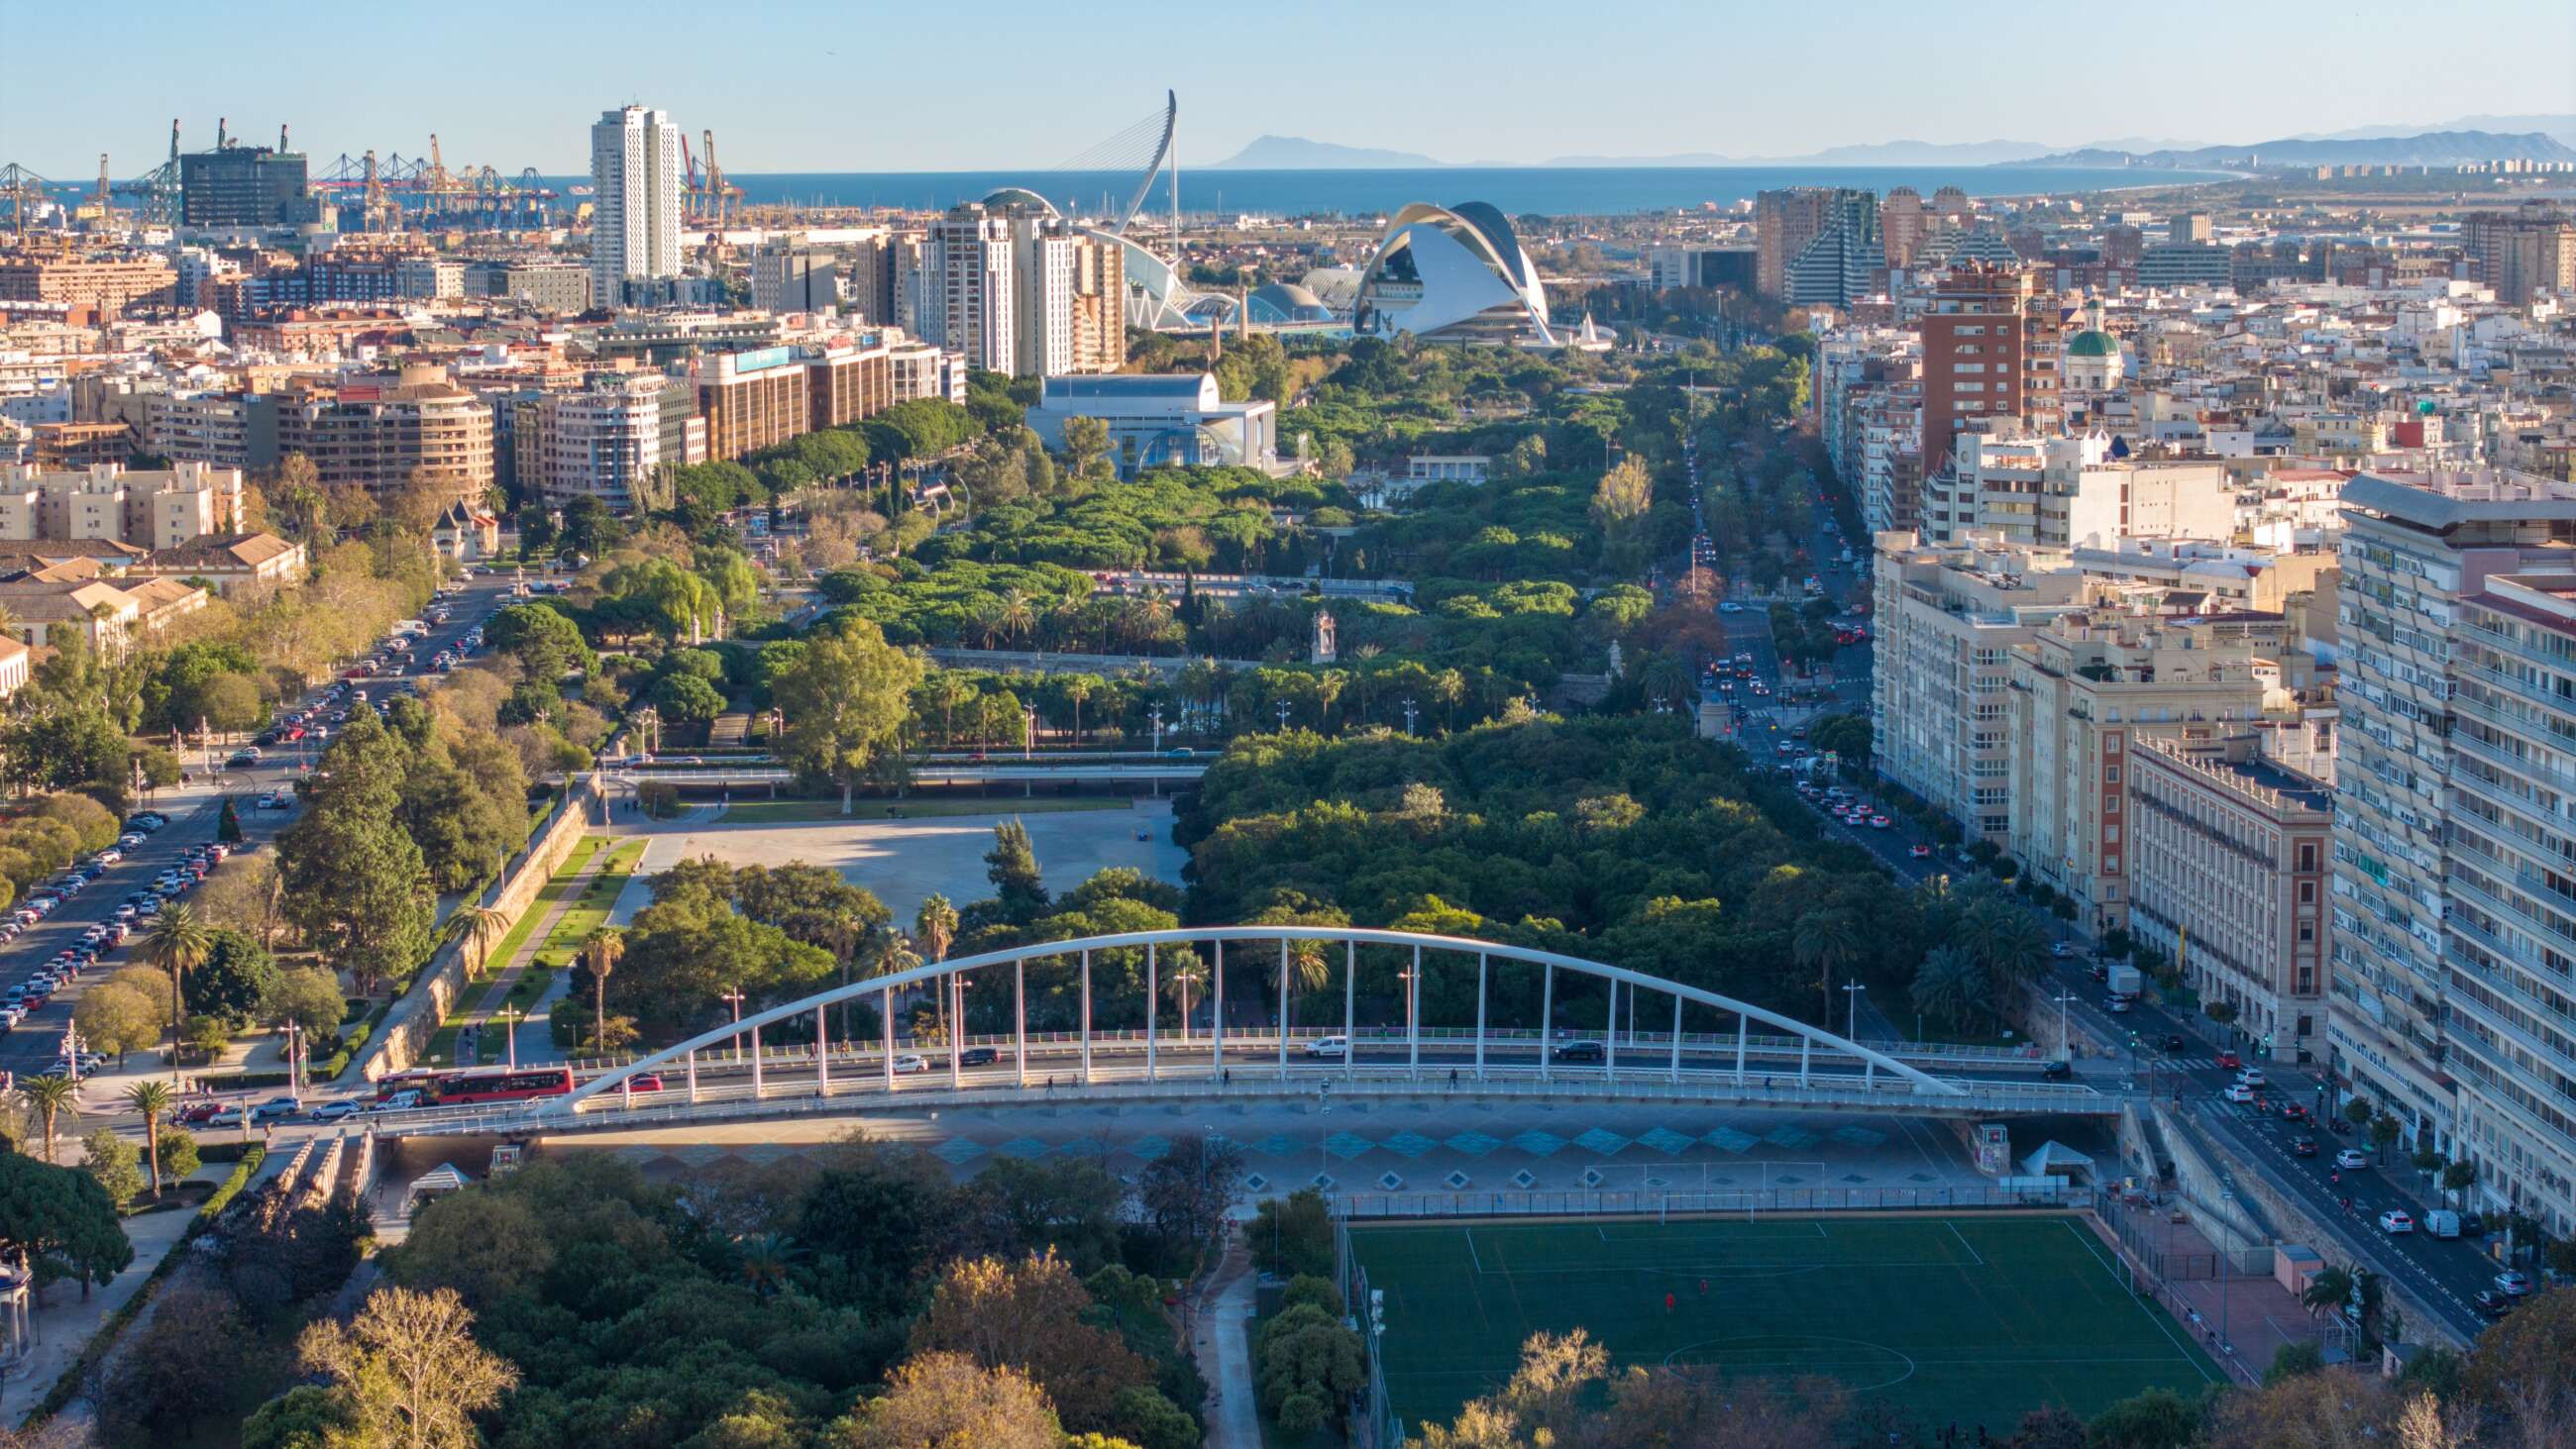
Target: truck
pixel 2125 980
pixel 2442 1223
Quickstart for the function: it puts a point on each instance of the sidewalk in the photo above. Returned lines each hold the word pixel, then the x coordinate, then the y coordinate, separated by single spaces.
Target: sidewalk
pixel 497 988
pixel 1222 1344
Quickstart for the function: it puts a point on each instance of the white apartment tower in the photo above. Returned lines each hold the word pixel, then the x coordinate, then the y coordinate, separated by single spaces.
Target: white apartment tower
pixel 967 304
pixel 635 217
pixel 1043 262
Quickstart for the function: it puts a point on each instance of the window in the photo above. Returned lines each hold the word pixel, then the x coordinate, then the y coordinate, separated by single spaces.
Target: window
pixel 2110 774
pixel 2307 893
pixel 2307 860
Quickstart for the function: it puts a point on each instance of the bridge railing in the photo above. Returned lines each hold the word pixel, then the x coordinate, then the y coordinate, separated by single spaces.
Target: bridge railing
pixel 1660 1202
pixel 676 1102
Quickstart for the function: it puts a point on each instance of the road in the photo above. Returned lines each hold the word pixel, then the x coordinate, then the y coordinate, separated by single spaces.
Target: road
pixel 37 1041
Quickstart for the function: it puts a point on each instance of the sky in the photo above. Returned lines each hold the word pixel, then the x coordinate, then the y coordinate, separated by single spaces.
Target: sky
pixel 862 85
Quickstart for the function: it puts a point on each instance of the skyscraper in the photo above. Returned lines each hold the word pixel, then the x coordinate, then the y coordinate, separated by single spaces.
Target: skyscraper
pixel 966 304
pixel 1841 263
pixel 635 218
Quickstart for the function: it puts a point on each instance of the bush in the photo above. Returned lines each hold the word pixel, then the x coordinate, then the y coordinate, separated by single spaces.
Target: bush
pixel 115 1164
pixel 180 1155
pixel 1301 1414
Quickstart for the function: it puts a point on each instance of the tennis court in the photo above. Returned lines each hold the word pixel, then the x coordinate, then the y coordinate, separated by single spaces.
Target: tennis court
pixel 1966 1319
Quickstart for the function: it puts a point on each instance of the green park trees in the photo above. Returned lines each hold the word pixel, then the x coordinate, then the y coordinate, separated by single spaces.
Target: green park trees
pixel 355 880
pixel 844 698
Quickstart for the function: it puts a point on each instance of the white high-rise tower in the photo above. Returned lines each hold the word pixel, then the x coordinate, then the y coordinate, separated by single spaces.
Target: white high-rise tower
pixel 635 217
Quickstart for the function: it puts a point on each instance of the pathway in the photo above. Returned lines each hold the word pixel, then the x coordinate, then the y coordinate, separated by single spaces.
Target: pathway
pixel 497 994
pixel 1222 1343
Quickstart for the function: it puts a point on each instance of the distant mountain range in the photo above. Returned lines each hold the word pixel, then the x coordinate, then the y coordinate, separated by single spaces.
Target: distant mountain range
pixel 2436 148
pixel 2520 138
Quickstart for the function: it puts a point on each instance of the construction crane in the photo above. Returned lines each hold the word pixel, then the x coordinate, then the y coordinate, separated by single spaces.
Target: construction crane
pixel 376 210
pixel 708 190
pixel 22 195
pixel 156 192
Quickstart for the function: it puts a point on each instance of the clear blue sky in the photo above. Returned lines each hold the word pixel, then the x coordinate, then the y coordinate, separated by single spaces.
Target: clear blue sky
pixel 806 85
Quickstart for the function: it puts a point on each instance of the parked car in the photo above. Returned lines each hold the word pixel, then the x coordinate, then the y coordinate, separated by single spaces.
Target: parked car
pixel 2513 1281
pixel 2491 1304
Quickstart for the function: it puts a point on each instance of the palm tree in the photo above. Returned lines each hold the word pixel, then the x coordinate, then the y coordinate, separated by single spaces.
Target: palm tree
pixel 764 1262
pixel 179 944
pixel 1306 969
pixel 152 1099
pixel 52 1097
pixel 1184 977
pixel 481 925
pixel 1825 940
pixel 1016 615
pixel 602 952
pixel 2329 1290
pixel 1078 688
pixel 1952 986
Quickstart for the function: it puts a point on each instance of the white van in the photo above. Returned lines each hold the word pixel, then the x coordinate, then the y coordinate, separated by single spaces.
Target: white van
pixel 1332 1047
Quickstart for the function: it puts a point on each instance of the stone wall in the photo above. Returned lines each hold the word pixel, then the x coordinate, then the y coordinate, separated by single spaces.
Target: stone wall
pixel 416 1017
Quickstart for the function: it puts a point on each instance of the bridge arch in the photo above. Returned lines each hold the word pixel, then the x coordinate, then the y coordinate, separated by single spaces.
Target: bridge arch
pixel 1811 1040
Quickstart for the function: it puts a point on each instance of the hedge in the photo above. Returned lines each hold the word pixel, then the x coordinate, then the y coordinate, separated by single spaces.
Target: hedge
pixel 69 1384
pixel 245 1081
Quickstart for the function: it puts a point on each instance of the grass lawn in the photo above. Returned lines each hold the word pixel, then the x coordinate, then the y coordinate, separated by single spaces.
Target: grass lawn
pixel 442 1043
pixel 1965 1318
pixel 783 812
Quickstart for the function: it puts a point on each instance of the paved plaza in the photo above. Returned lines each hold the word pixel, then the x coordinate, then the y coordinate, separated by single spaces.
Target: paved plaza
pixel 905 861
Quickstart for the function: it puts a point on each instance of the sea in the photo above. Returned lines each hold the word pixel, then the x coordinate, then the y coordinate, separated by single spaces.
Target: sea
pixel 1516 191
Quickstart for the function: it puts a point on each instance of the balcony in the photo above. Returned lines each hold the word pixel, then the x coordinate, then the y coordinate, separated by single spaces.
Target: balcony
pixel 2485 790
pixel 2516 648
pixel 2511 763
pixel 2500 906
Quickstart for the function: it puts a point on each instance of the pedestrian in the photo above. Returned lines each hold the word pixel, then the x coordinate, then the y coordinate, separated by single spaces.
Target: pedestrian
pixel 1050 1086
pixel 1453 1079
pixel 1668 1303
pixel 1703 1287
pixel 1225 1078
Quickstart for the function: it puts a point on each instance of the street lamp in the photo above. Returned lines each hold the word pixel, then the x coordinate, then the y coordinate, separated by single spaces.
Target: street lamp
pixel 1185 978
pixel 1853 990
pixel 1156 716
pixel 511 1017
pixel 1283 716
pixel 735 997
pixel 2064 1053
pixel 1409 712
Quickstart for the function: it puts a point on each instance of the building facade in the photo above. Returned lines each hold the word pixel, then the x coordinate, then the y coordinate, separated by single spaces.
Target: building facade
pixel 150 510
pixel 418 429
pixel 244 188
pixel 2231 876
pixel 109 283
pixel 752 400
pixel 635 215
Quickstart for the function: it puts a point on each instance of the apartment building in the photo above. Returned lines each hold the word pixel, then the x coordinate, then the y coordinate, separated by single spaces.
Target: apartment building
pixel 1990 350
pixel 80 279
pixel 1948 617
pixel 968 286
pixel 2512 925
pixel 607 441
pixel 419 427
pixel 2231 853
pixel 635 218
pixel 153 509
pixel 788 278
pixel 2086 687
pixel 2418 871
pixel 2070 492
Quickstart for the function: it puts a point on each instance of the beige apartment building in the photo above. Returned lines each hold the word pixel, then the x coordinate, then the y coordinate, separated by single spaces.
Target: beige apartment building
pixel 2231 853
pixel 386 435
pixel 152 509
pixel 2086 687
pixel 2071 493
pixel 1948 618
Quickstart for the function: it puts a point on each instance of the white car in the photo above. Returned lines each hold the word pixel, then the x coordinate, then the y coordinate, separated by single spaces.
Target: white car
pixel 2351 1158
pixel 2251 1076
pixel 2240 1093
pixel 2394 1222
pixel 334 1111
pixel 1333 1047
pixel 908 1063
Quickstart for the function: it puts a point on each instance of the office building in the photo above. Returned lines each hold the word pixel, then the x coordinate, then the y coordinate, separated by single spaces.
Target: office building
pixel 1159 420
pixel 1948 618
pixel 752 400
pixel 554 288
pixel 2085 688
pixel 2429 898
pixel 245 188
pixel 2231 853
pixel 2187 264
pixel 1674 268
pixel 635 212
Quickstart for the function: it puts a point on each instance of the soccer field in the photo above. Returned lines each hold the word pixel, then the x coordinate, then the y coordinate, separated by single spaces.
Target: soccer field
pixel 1967 1319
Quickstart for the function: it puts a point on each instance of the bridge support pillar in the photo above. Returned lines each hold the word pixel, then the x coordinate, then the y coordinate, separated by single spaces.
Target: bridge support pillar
pixel 885 1026
pixel 1086 1018
pixel 1216 1019
pixel 1282 1027
pixel 1350 1007
pixel 1413 1018
pixel 1806 1050
pixel 1020 1016
pixel 1153 991
pixel 1743 1029
pixel 755 1063
pixel 1610 1036
pixel 1482 960
pixel 1546 1021
pixel 693 1078
pixel 822 1057
pixel 1677 1038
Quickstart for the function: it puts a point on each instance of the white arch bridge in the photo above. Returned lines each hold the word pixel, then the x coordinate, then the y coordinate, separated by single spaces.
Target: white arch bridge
pixel 1677 1043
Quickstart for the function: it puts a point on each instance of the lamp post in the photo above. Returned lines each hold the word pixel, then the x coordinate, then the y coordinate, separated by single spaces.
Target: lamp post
pixel 1409 712
pixel 736 997
pixel 1283 716
pixel 512 1016
pixel 1185 978
pixel 1854 990
pixel 2064 1054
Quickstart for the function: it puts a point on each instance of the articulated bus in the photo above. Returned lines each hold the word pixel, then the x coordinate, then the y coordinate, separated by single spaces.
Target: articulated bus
pixel 448 1088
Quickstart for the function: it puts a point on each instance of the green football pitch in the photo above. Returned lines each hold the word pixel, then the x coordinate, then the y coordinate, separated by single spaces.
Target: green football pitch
pixel 1972 1320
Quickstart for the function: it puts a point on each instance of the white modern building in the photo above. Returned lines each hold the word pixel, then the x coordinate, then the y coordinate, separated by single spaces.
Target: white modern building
pixel 635 217
pixel 966 304
pixel 1160 420
pixel 1453 274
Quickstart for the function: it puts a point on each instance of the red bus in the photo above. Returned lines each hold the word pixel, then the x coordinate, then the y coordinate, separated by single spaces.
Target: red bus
pixel 415 1080
pixel 501 1085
